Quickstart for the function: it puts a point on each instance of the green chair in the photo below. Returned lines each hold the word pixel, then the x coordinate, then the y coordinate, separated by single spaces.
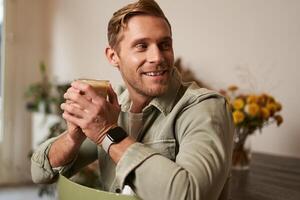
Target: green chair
pixel 68 190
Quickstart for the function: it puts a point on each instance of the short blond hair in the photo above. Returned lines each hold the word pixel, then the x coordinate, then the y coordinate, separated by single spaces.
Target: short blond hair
pixel 120 18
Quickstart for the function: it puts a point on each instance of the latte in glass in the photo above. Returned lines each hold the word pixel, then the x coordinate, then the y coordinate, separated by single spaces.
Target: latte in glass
pixel 100 86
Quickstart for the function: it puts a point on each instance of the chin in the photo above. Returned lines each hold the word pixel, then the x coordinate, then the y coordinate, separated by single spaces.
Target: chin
pixel 156 92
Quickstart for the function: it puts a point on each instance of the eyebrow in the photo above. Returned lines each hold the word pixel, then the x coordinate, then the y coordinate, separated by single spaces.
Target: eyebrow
pixel 141 40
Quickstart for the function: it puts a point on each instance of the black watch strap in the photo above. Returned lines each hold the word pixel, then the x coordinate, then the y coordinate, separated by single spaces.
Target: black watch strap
pixel 113 136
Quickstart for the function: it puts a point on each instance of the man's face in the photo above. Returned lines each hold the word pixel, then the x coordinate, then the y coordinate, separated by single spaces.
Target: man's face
pixel 145 57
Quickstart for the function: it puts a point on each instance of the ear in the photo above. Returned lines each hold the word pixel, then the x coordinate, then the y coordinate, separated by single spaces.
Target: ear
pixel 112 56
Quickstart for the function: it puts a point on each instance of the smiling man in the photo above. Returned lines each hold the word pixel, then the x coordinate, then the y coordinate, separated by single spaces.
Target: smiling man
pixel 160 138
pixel 144 57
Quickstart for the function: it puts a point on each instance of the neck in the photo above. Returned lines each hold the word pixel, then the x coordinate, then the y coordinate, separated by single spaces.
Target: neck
pixel 139 102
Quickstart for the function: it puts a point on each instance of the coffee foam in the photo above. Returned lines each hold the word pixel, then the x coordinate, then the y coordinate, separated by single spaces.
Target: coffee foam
pixel 100 86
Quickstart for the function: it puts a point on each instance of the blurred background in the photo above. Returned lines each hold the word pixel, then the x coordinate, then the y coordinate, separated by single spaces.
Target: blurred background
pixel 252 44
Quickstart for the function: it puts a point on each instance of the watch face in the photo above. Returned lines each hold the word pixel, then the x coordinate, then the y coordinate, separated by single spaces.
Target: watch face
pixel 116 135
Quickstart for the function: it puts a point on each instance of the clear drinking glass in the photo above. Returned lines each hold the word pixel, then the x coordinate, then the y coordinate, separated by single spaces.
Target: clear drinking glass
pixel 100 86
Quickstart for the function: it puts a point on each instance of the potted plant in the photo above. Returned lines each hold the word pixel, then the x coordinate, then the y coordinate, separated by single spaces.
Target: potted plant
pixel 42 102
pixel 39 98
pixel 250 112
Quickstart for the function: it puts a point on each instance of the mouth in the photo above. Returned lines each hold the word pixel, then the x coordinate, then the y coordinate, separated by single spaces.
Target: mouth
pixel 155 73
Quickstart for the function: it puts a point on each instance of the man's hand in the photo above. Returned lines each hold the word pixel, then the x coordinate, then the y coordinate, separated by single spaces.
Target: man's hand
pixel 74 132
pixel 90 111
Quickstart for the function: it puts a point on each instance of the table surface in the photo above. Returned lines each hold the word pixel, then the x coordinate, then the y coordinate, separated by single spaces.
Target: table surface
pixel 269 178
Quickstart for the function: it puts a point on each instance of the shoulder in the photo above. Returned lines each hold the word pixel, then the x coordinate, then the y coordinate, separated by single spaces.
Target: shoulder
pixel 195 95
pixel 203 109
pixel 198 105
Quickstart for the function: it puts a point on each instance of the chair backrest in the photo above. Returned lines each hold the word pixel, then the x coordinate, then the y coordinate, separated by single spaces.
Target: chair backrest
pixel 225 194
pixel 68 190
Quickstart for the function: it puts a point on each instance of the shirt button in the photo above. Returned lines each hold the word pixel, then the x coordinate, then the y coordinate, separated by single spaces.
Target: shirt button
pixel 118 190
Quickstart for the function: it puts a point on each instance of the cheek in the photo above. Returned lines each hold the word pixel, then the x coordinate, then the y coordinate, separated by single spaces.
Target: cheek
pixel 135 59
pixel 170 57
pixel 133 62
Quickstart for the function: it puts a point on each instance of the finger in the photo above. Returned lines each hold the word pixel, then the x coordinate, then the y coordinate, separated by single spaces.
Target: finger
pixel 82 94
pixel 77 98
pixel 85 88
pixel 72 119
pixel 112 96
pixel 69 101
pixel 72 89
pixel 73 109
pixel 73 103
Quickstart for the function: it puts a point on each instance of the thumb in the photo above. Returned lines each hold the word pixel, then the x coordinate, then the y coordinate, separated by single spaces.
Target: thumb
pixel 112 96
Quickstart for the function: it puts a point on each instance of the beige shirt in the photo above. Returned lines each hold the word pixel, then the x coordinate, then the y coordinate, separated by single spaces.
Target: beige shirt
pixel 183 149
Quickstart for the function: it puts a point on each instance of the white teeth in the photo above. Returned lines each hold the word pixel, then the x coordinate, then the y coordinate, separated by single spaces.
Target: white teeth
pixel 154 73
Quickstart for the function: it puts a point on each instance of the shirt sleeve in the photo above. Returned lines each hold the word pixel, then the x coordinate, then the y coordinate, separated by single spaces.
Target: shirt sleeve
pixel 43 172
pixel 204 132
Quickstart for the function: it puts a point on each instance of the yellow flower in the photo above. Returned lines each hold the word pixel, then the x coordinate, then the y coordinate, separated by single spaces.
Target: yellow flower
pixel 265 113
pixel 270 99
pixel 278 106
pixel 262 99
pixel 238 104
pixel 252 109
pixel 272 108
pixel 278 119
pixel 238 117
pixel 251 99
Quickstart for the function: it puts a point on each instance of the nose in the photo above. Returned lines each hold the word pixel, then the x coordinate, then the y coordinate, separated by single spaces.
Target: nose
pixel 155 55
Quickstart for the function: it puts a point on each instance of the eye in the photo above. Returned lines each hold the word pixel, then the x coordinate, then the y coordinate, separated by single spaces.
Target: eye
pixel 165 46
pixel 141 46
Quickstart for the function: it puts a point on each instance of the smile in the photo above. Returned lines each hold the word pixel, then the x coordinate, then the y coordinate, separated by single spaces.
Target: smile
pixel 159 73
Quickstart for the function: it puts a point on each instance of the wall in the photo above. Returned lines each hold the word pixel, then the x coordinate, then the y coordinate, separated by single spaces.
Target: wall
pixel 254 44
pixel 25 46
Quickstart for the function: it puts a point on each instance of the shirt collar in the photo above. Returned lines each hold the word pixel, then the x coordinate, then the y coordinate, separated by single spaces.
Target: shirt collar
pixel 163 103
pixel 125 101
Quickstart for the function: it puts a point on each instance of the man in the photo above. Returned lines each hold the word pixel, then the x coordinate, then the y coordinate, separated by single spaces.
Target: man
pixel 161 138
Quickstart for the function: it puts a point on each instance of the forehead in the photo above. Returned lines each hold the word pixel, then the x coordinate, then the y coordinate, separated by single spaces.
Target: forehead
pixel 145 26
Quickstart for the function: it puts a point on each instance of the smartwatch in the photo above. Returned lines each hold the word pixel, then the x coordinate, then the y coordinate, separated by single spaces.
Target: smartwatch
pixel 113 136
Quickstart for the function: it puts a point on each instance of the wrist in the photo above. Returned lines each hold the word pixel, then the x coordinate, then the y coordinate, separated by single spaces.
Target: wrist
pixel 75 137
pixel 113 135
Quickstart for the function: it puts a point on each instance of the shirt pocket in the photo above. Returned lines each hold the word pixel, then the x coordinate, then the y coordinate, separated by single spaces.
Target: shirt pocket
pixel 165 147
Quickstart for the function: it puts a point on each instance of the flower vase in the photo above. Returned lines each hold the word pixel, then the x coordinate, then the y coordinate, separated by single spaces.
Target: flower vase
pixel 241 155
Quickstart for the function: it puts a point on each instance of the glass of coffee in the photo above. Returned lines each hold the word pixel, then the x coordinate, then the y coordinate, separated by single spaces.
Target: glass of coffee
pixel 100 86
